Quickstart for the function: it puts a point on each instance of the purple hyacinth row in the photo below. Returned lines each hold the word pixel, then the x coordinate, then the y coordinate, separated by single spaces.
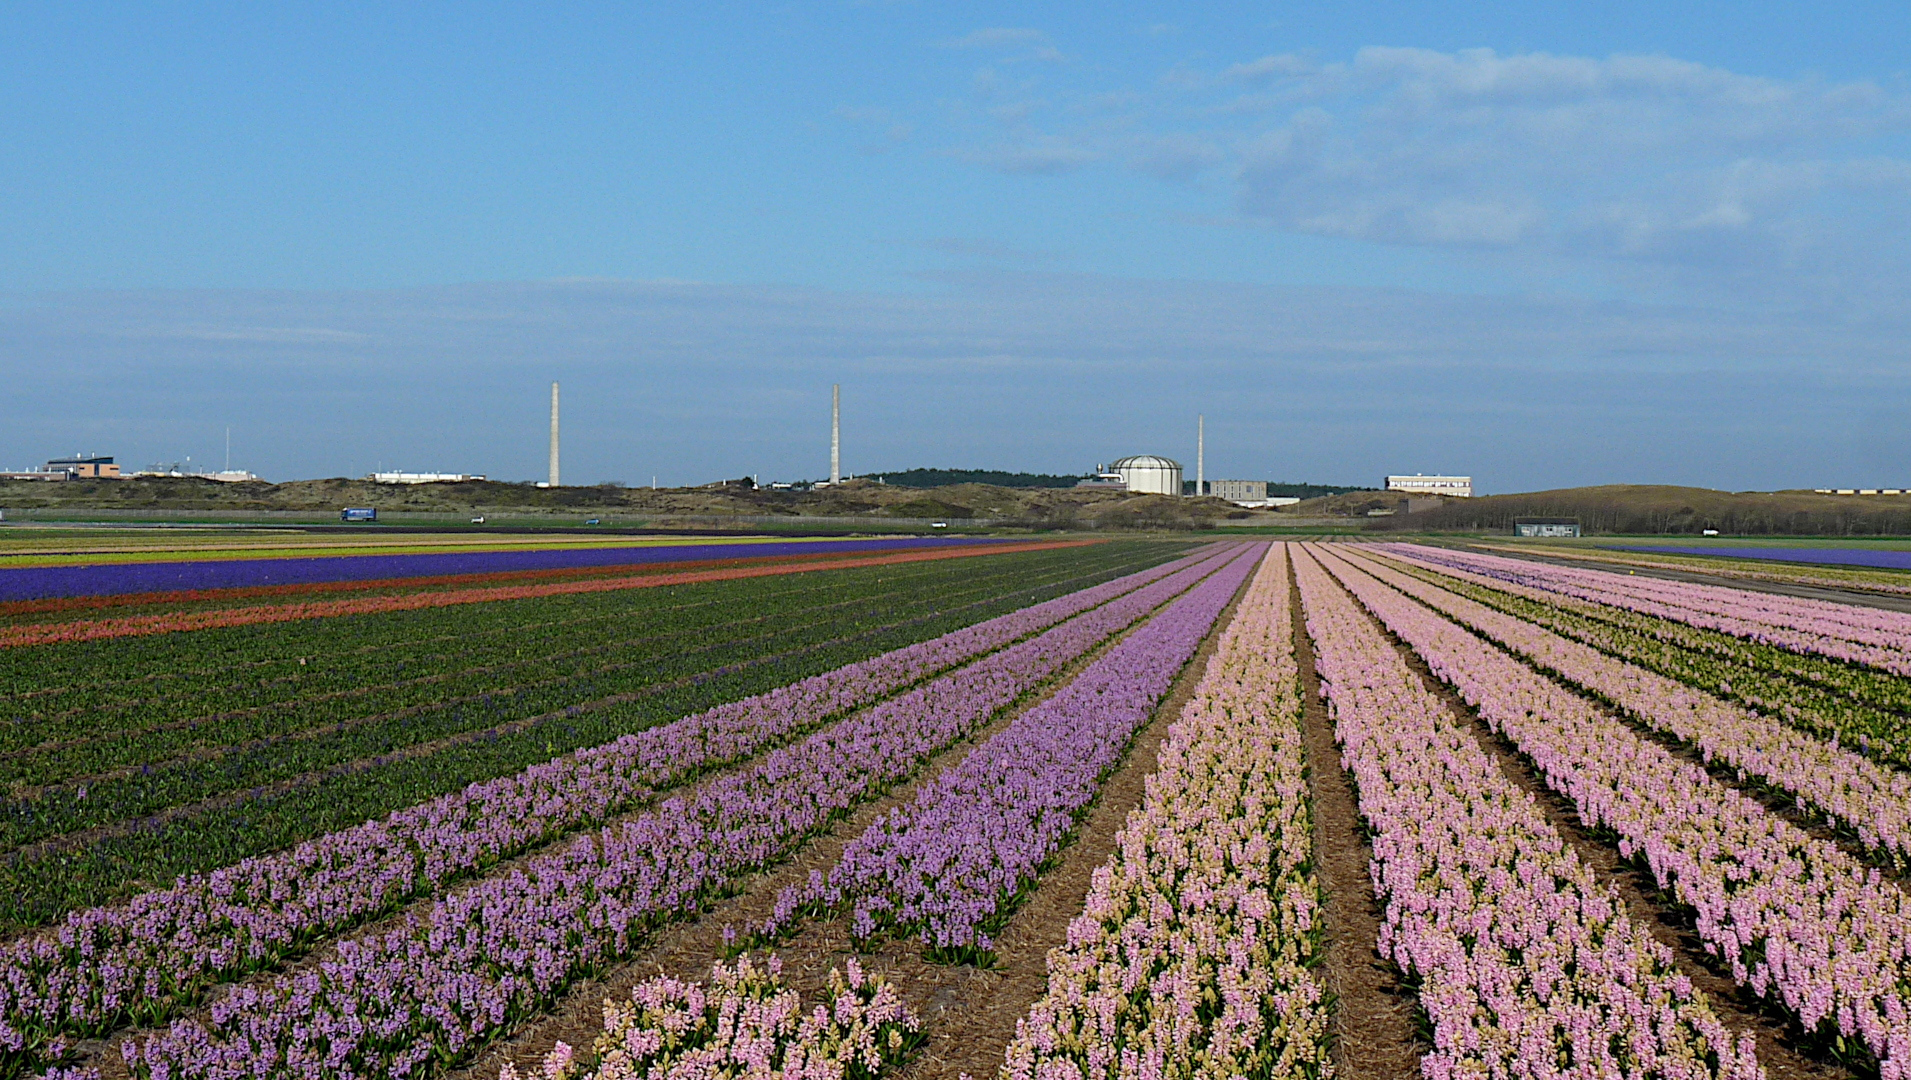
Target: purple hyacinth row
pixel 1795 919
pixel 1860 635
pixel 1849 789
pixel 427 993
pixel 115 579
pixel 1191 956
pixel 944 866
pixel 143 960
pixel 1528 967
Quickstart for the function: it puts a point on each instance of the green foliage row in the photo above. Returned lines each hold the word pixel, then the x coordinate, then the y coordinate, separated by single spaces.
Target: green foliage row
pixel 210 708
pixel 361 781
pixel 178 766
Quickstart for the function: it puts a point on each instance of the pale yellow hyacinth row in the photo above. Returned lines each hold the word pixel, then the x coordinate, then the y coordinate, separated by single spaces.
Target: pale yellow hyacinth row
pixel 1191 956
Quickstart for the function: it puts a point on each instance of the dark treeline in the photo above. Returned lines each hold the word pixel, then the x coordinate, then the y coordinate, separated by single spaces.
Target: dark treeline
pixel 1644 510
pixel 1311 491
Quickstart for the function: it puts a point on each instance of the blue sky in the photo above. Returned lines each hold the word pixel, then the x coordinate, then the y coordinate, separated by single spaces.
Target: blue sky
pixel 1544 244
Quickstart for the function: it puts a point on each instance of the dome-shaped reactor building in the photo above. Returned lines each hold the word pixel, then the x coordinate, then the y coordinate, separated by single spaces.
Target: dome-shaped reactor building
pixel 1150 473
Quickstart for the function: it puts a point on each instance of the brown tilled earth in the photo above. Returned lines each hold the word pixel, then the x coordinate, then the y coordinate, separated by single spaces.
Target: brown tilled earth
pixel 1373 1014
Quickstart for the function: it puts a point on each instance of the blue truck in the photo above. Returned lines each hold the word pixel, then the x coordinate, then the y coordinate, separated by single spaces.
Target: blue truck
pixel 358 513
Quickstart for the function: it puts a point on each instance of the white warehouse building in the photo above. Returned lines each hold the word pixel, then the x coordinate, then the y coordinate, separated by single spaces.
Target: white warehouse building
pixel 1149 473
pixel 1417 484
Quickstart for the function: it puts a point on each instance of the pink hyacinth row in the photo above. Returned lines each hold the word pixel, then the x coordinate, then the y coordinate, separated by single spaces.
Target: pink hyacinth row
pixel 1860 635
pixel 1794 918
pixel 1844 787
pixel 1527 966
pixel 745 1025
pixel 143 960
pixel 945 866
pixel 425 994
pixel 1191 956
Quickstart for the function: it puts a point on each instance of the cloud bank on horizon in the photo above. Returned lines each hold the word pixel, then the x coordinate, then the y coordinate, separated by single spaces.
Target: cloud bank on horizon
pixel 1032 246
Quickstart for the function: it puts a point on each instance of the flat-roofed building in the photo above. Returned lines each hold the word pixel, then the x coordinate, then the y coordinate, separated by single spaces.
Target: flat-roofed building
pixel 85 468
pixel 1460 487
pixel 423 477
pixel 1239 491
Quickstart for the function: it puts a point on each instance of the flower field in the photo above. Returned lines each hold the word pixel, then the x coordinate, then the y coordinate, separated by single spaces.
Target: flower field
pixel 1043 814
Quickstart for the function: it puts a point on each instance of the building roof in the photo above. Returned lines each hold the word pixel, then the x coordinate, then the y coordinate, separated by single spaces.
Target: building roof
pixel 1145 461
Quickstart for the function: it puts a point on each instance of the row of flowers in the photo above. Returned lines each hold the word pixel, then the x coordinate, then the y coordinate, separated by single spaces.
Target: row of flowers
pixel 949 866
pixel 1793 918
pixel 426 993
pixel 1855 706
pixel 1861 635
pixel 142 961
pixel 1745 569
pixel 1527 966
pixel 1870 800
pixel 174 622
pixel 746 1024
pixel 220 570
pixel 1192 955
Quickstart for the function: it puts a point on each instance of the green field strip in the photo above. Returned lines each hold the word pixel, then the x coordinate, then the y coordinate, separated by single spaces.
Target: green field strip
pixel 346 550
pixel 318 742
pixel 84 666
pixel 328 694
pixel 396 638
pixel 38 885
pixel 1864 709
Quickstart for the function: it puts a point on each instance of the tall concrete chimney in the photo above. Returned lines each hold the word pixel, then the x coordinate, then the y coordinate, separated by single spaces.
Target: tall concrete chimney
pixel 553 434
pixel 836 433
pixel 1200 455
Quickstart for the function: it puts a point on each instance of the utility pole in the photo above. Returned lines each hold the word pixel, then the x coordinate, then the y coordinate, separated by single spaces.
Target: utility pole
pixel 553 435
pixel 1200 455
pixel 835 434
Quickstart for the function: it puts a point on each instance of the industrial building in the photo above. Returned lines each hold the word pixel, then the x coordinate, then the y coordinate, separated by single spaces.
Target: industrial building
pixel 1240 491
pixel 1460 487
pixel 423 477
pixel 1149 473
pixel 85 467
pixel 1103 480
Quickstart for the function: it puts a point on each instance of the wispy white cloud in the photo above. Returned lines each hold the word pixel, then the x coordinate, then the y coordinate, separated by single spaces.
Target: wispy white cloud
pixel 1663 169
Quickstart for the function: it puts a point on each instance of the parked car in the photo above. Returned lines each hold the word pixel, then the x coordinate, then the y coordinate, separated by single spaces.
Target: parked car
pixel 479 520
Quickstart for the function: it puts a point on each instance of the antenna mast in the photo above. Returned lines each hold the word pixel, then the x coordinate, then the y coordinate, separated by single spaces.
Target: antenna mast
pixel 1200 455
pixel 553 435
pixel 835 434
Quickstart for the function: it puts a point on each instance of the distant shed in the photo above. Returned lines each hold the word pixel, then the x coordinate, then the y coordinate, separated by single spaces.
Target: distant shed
pixel 1539 526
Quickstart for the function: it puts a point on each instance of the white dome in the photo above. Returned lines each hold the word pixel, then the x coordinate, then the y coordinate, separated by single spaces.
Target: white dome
pixel 1145 461
pixel 1150 473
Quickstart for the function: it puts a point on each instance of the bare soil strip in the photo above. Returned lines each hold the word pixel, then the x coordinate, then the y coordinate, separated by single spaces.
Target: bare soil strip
pixel 968 1013
pixel 1737 1007
pixel 1373 1015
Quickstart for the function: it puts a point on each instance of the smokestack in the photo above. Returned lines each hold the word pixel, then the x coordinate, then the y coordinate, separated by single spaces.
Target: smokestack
pixel 1200 455
pixel 553 434
pixel 836 433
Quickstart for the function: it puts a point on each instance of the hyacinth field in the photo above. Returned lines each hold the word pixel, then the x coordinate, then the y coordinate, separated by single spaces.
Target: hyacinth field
pixel 1106 810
